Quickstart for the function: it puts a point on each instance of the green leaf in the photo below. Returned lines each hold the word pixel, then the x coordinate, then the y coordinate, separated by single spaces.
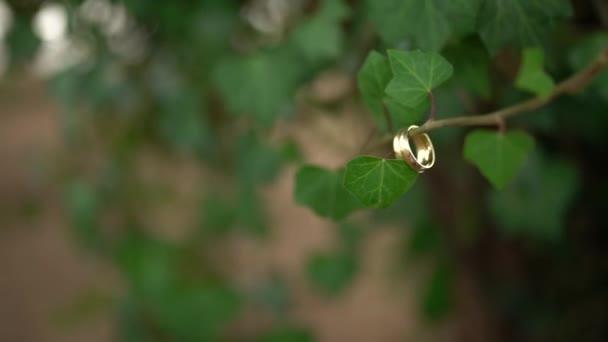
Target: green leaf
pixel 499 156
pixel 403 116
pixel 21 41
pixel 260 85
pixel 378 182
pixel 257 161
pixel 321 37
pixel 83 206
pixel 537 203
pixel 197 312
pixel 219 215
pixel 437 299
pixel 471 67
pixel 332 273
pixel 374 76
pixel 520 22
pixel 429 23
pixel 287 334
pixel 532 76
pixel 415 75
pixel 148 265
pixel 322 191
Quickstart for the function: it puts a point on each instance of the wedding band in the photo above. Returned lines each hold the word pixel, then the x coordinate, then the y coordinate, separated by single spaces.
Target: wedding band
pixel 420 159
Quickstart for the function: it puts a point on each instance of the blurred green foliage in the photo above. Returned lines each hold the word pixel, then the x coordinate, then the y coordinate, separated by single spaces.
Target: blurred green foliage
pixel 213 81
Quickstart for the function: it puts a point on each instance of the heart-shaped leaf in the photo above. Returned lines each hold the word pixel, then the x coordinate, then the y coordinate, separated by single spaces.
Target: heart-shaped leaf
pixel 322 191
pixel 532 76
pixel 378 182
pixel 499 156
pixel 415 75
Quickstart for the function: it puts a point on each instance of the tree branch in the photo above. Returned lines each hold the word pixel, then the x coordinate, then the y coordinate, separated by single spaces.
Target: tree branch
pixel 573 84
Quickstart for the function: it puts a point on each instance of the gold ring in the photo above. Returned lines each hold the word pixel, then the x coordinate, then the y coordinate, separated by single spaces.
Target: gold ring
pixel 420 159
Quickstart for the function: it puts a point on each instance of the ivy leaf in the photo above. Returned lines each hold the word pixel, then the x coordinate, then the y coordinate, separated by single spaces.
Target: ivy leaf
pixel 415 75
pixel 260 85
pixel 378 182
pixel 321 37
pixel 499 156
pixel 429 23
pixel 405 116
pixel 471 66
pixel 519 22
pixel 332 273
pixel 532 76
pixel 372 79
pixel 322 191
pixel 437 300
pixel 83 207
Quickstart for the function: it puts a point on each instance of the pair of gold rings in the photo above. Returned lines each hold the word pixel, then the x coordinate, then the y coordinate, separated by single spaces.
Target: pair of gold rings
pixel 422 156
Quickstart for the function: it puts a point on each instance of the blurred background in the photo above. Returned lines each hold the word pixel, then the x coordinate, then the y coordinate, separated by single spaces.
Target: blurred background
pixel 147 160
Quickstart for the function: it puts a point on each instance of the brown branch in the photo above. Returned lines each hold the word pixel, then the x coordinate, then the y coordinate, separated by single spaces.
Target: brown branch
pixel 573 84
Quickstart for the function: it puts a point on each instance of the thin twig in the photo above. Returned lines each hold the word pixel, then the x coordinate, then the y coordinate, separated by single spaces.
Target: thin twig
pixel 432 109
pixel 571 85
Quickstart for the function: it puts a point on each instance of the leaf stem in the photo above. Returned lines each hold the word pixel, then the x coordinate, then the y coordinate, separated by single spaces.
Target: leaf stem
pixel 432 109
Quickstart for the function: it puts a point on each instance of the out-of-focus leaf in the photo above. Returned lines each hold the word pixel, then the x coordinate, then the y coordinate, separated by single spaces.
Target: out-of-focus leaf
pixel 257 161
pixel 322 191
pixel 260 85
pixel 82 205
pixel 183 123
pixel 536 204
pixel 425 239
pixel 499 156
pixel 430 23
pixel 332 273
pixel 471 67
pixel 407 211
pixel 520 22
pixel 415 75
pixel 250 211
pixel 219 215
pixel 148 265
pixel 377 182
pixel 532 76
pixel 21 41
pixel 437 300
pixel 321 37
pixel 132 326
pixel 198 313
